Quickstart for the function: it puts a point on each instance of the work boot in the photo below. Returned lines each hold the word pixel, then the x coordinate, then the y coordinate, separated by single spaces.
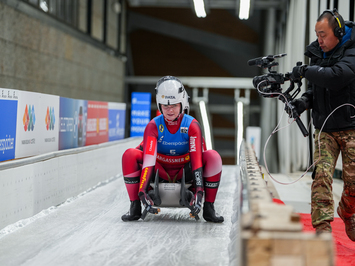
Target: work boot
pixel 134 212
pixel 210 215
pixel 349 222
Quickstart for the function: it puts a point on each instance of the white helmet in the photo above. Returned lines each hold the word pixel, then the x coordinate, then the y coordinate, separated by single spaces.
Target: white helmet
pixel 169 90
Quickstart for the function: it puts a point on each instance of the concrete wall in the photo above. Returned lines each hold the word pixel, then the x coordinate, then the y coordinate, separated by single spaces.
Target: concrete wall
pixel 38 57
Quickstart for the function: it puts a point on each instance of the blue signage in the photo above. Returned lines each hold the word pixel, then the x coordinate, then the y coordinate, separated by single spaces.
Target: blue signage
pixel 72 123
pixel 140 112
pixel 8 118
pixel 116 123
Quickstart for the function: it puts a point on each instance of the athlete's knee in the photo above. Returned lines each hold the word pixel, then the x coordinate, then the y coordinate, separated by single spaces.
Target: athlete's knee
pixel 212 158
pixel 131 161
pixel 131 153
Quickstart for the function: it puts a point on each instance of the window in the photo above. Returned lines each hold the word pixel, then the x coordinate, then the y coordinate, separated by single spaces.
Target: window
pixel 101 19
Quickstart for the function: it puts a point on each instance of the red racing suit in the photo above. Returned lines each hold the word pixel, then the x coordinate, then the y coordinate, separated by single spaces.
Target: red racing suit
pixel 171 147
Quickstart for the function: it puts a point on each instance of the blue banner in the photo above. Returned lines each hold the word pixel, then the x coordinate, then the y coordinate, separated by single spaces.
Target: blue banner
pixel 140 112
pixel 72 123
pixel 116 120
pixel 8 115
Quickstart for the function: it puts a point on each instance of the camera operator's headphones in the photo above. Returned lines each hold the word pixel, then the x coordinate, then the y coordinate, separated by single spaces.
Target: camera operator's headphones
pixel 339 31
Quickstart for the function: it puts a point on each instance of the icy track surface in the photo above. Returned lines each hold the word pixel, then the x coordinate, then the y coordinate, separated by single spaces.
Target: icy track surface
pixel 88 230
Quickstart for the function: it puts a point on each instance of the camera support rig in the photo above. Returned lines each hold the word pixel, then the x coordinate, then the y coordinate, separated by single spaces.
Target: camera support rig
pixel 269 86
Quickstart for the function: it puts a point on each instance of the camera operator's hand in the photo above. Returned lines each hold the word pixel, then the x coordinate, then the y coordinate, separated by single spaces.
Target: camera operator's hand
pixel 298 72
pixel 300 105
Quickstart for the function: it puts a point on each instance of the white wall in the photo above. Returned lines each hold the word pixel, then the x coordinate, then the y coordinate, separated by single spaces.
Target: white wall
pixel 292 144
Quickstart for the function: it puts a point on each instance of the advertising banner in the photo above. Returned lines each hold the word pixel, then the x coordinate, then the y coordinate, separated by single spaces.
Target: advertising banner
pixel 8 116
pixel 48 120
pixel 140 112
pixel 73 117
pixel 97 123
pixel 37 124
pixel 116 120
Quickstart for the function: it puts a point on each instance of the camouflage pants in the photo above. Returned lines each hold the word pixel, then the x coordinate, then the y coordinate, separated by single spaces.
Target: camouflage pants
pixel 331 144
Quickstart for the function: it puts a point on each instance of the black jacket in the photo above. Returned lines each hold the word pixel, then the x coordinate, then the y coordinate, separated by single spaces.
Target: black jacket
pixel 331 84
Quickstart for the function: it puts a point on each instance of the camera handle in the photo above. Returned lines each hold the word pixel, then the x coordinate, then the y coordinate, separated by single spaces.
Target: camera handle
pixel 286 98
pixel 301 126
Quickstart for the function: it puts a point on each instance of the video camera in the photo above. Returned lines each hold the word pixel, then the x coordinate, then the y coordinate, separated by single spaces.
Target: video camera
pixel 269 85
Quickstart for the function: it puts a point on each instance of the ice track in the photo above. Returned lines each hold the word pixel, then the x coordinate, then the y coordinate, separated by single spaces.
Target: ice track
pixel 88 230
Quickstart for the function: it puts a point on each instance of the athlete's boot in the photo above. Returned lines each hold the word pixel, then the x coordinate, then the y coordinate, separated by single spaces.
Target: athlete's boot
pixel 210 215
pixel 134 213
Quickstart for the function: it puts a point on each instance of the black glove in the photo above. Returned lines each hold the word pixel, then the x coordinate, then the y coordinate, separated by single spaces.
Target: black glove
pixel 196 201
pixel 298 72
pixel 196 204
pixel 297 105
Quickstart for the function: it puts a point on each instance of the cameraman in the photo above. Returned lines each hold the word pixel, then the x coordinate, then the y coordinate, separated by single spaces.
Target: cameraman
pixel 331 76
